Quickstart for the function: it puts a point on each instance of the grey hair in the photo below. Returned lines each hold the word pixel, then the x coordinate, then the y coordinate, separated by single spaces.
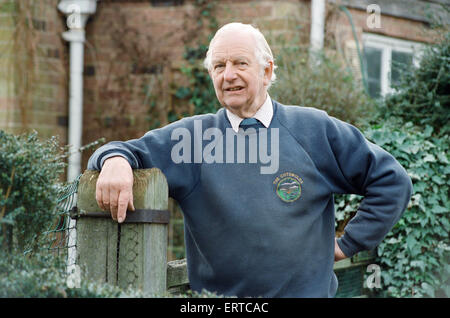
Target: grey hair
pixel 263 53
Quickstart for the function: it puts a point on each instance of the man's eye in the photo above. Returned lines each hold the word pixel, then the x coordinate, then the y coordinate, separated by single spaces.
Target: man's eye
pixel 242 63
pixel 217 66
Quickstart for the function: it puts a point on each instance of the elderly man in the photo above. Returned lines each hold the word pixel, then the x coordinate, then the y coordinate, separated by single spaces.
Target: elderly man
pixel 256 181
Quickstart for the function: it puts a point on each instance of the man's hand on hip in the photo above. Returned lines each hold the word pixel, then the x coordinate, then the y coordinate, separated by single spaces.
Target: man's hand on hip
pixel 114 189
pixel 338 254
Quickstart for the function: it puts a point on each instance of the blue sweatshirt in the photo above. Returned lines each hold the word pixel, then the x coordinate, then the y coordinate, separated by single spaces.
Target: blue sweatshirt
pixel 252 232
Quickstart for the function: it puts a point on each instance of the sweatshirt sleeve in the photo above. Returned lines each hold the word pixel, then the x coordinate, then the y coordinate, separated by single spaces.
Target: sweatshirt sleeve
pixel 366 169
pixel 152 150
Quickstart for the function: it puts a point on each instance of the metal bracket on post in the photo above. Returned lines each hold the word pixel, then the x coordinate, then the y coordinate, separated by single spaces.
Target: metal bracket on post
pixel 136 216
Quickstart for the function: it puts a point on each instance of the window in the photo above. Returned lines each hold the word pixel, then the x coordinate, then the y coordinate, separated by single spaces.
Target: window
pixel 383 60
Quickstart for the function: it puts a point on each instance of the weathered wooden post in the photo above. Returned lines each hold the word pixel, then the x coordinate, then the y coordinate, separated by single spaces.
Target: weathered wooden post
pixel 134 252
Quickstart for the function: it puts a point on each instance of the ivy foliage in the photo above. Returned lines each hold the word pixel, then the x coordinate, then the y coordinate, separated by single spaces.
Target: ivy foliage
pixel 415 254
pixel 200 91
pixel 412 125
pixel 29 185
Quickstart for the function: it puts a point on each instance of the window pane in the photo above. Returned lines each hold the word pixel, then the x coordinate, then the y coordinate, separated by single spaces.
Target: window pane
pixel 374 88
pixel 400 60
pixel 372 61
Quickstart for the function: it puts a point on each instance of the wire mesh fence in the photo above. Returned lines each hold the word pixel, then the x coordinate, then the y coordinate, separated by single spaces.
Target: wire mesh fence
pixel 60 238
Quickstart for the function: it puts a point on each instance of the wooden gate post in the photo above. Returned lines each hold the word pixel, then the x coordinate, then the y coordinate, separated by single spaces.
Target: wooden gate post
pixel 133 253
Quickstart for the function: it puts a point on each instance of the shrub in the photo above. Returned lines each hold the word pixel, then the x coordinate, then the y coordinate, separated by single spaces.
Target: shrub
pixel 327 85
pixel 44 275
pixel 29 185
pixel 423 94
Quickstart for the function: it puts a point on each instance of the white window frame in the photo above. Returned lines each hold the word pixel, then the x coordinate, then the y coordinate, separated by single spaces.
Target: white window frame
pixel 387 45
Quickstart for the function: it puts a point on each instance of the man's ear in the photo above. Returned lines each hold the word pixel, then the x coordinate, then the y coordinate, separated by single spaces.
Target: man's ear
pixel 268 70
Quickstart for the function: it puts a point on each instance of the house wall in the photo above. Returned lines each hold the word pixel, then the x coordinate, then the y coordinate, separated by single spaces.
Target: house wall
pixel 134 50
pixel 33 72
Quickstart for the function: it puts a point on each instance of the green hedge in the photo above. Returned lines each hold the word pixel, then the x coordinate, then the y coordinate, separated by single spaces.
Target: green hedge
pixel 43 275
pixel 30 171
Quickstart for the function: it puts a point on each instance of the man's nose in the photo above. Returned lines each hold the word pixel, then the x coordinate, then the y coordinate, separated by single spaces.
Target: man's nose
pixel 229 73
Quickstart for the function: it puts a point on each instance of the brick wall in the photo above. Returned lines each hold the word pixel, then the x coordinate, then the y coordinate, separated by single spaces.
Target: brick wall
pixel 44 107
pixel 6 87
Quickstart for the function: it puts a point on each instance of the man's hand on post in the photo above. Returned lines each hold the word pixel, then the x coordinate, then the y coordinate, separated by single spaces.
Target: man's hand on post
pixel 114 189
pixel 338 254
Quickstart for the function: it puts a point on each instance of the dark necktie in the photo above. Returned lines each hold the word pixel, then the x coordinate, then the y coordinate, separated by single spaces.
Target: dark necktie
pixel 248 122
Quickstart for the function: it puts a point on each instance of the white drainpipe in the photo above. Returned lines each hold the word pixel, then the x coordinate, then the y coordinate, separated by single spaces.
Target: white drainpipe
pixel 317 27
pixel 77 12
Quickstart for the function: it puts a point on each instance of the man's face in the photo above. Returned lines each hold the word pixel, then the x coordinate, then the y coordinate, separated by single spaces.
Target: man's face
pixel 239 81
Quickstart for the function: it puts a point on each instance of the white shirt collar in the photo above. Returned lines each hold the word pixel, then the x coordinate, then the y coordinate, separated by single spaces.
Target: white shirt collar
pixel 264 115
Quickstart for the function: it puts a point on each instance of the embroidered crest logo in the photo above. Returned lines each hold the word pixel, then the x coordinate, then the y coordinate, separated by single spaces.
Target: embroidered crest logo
pixel 288 186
